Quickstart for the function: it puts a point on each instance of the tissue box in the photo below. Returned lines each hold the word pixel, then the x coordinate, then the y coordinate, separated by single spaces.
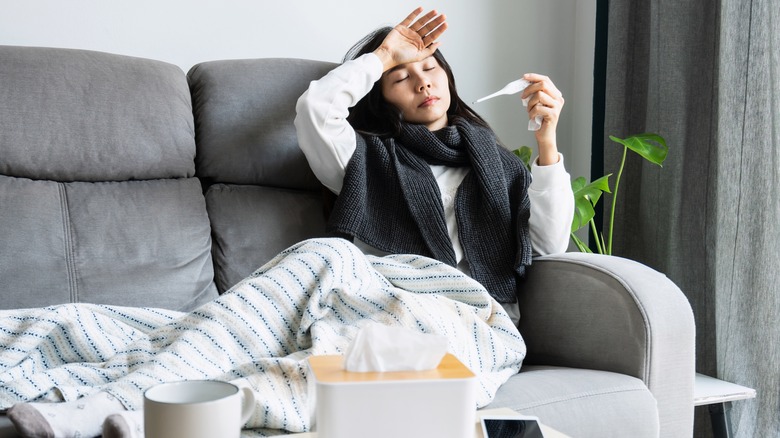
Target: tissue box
pixel 436 403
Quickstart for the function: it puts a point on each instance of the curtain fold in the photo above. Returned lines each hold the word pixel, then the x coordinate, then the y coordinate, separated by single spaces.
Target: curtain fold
pixel 706 79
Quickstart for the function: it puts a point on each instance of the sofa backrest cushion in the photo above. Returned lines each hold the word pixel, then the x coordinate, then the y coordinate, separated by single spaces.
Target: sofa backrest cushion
pixel 262 195
pixel 244 112
pixel 79 115
pixel 98 202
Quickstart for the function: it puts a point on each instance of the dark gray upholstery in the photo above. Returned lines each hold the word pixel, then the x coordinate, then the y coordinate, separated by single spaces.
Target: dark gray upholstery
pixel 244 111
pixel 237 212
pixel 247 146
pixel 98 203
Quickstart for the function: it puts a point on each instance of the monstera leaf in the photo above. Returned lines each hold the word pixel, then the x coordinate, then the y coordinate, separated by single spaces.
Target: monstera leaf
pixel 652 147
pixel 586 196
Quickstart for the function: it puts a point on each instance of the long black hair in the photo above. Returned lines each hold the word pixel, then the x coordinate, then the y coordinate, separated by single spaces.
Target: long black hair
pixel 373 115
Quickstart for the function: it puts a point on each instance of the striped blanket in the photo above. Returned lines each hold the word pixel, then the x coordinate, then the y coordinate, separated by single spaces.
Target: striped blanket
pixel 311 299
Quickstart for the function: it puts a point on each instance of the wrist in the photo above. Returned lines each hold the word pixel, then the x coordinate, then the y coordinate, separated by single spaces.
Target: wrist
pixel 385 58
pixel 548 154
pixel 547 160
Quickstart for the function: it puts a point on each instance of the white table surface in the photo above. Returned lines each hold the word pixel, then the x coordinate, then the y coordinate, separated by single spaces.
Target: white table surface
pixel 709 390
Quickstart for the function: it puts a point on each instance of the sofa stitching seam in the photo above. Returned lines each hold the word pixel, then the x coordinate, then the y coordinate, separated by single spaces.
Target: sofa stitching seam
pixel 67 234
pixel 581 396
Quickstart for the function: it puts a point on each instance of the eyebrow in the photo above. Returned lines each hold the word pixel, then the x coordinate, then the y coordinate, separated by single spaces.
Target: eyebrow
pixel 397 67
pixel 400 66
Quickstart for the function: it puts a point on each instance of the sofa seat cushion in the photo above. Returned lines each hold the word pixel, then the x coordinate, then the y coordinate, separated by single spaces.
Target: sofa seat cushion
pixel 282 217
pixel 582 403
pixel 130 243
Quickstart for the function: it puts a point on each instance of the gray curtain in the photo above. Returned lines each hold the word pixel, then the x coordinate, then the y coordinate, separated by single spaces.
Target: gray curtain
pixel 705 74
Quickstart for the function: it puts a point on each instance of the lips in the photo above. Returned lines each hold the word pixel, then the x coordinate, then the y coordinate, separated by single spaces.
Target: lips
pixel 430 100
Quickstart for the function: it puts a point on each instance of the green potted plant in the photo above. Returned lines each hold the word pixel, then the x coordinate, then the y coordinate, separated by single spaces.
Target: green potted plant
pixel 651 147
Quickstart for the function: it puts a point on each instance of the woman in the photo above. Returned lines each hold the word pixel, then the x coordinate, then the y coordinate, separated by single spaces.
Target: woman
pixel 417 171
pixel 327 287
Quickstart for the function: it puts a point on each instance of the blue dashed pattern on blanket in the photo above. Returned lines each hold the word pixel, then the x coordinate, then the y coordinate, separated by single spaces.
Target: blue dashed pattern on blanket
pixel 310 299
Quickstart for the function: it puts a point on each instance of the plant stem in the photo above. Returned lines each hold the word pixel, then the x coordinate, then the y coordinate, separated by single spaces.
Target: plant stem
pixel 580 244
pixel 596 236
pixel 614 200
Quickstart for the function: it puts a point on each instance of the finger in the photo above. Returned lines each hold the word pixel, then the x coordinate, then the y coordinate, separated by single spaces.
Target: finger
pixel 435 34
pixel 541 83
pixel 533 91
pixel 429 50
pixel 542 99
pixel 422 21
pixel 548 115
pixel 551 102
pixel 551 89
pixel 431 25
pixel 535 77
pixel 410 18
pixel 538 103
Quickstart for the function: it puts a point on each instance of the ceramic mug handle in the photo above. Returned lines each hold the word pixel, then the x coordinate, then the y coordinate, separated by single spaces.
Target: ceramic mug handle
pixel 247 404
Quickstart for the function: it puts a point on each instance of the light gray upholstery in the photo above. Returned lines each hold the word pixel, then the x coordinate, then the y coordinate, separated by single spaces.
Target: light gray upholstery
pixel 613 314
pixel 94 209
pixel 130 243
pixel 98 200
pixel 622 321
pixel 78 115
pixel 582 402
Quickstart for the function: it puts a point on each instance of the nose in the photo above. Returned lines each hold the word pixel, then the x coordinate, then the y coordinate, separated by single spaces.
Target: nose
pixel 423 83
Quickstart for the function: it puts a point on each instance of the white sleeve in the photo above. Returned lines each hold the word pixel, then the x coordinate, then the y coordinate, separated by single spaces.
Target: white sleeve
pixel 324 134
pixel 552 208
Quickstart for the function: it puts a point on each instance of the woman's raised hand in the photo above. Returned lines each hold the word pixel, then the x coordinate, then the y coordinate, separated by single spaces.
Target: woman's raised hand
pixel 545 101
pixel 413 39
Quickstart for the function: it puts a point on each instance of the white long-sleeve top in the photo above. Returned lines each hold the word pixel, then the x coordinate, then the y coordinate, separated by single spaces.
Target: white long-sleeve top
pixel 328 142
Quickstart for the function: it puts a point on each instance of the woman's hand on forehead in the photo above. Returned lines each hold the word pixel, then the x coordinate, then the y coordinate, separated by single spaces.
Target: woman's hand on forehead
pixel 413 39
pixel 428 27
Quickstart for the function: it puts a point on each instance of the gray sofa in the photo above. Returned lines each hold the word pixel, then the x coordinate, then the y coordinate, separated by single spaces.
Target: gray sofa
pixel 124 181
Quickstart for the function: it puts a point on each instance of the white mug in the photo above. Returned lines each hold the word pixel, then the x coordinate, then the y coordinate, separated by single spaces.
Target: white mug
pixel 196 409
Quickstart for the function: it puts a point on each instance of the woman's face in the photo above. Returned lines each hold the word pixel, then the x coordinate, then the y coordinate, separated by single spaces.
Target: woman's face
pixel 421 92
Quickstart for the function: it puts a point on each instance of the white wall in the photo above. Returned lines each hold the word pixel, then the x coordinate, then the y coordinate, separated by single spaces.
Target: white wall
pixel 489 43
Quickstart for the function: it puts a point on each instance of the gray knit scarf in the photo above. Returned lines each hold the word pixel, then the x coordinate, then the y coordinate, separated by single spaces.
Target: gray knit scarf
pixel 391 201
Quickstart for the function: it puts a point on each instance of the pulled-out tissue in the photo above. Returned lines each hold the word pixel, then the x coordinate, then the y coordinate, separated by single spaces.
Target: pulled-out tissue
pixel 382 348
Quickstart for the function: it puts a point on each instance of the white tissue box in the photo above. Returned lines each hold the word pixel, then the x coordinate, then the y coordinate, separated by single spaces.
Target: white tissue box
pixel 436 403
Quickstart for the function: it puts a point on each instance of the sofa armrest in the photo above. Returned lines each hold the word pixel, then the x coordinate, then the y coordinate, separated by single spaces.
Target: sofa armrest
pixel 612 314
